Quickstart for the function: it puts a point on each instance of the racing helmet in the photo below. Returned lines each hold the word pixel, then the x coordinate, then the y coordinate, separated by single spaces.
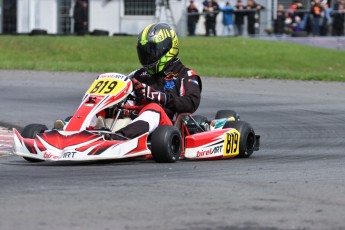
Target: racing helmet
pixel 157 46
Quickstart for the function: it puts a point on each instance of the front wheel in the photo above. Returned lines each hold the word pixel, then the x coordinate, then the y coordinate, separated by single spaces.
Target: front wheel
pixel 166 144
pixel 247 137
pixel 30 131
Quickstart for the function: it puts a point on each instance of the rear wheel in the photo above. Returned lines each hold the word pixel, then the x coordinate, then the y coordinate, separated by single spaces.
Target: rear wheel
pixel 226 114
pixel 166 144
pixel 247 137
pixel 30 131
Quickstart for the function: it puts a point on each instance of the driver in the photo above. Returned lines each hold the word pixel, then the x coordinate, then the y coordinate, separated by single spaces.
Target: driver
pixel 165 85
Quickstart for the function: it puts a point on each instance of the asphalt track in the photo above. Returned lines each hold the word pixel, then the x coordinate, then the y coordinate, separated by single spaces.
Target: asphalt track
pixel 296 180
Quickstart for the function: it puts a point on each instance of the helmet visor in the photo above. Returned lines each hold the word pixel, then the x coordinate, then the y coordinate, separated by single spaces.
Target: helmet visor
pixel 147 53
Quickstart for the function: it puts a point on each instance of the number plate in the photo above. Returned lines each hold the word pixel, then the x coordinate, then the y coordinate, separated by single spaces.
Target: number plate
pixel 106 86
pixel 231 143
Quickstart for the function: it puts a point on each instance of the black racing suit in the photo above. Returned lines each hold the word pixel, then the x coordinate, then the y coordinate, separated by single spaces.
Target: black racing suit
pixel 181 85
pixel 182 88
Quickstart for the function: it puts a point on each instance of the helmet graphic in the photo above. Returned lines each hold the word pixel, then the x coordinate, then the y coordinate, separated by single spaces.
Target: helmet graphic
pixel 157 46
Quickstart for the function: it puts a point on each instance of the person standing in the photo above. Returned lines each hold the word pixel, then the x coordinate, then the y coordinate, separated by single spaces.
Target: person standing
pixel 316 12
pixel 279 22
pixel 239 17
pixel 326 20
pixel 253 10
pixel 228 11
pixel 80 16
pixel 338 21
pixel 211 10
pixel 192 18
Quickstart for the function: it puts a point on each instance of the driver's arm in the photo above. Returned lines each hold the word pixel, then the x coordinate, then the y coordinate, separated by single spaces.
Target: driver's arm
pixel 190 99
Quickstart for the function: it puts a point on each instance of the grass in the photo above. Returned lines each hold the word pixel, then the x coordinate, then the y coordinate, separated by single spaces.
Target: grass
pixel 208 56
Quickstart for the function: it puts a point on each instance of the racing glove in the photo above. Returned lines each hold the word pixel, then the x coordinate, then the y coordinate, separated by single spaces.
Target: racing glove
pixel 149 93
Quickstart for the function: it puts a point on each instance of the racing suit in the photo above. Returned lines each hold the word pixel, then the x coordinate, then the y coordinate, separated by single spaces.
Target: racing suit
pixel 177 89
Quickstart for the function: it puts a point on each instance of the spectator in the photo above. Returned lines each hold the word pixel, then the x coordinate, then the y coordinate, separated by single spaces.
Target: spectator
pixel 205 3
pixel 291 11
pixel 338 21
pixel 326 20
pixel 239 17
pixel 316 12
pixel 279 22
pixel 299 10
pixel 211 10
pixel 296 11
pixel 80 16
pixel 228 11
pixel 335 5
pixel 301 13
pixel 253 15
pixel 193 18
pixel 296 25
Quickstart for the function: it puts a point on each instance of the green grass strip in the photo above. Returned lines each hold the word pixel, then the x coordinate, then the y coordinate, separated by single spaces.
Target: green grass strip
pixel 208 56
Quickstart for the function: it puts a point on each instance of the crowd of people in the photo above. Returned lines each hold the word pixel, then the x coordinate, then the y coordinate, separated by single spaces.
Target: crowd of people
pixel 322 18
pixel 319 18
pixel 233 17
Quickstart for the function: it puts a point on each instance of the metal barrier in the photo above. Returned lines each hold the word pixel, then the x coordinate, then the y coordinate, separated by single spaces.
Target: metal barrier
pixel 128 16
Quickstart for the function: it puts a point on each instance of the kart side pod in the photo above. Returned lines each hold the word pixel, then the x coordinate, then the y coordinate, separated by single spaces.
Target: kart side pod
pixel 236 139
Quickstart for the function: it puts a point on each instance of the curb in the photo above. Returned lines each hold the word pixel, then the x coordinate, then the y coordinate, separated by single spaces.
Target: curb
pixel 6 141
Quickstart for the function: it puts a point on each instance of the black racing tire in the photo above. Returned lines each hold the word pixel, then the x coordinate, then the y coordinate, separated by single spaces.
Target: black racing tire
pixel 38 32
pixel 247 138
pixel 166 144
pixel 30 131
pixel 100 33
pixel 226 114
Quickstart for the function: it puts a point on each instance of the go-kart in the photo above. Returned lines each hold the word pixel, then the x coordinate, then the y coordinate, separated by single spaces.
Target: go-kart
pixel 81 139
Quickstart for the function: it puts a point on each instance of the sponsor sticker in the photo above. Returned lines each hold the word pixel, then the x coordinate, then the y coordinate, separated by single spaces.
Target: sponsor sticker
pixel 231 143
pixel 112 75
pixel 69 155
pixel 193 81
pixel 209 151
pixel 191 73
pixel 47 155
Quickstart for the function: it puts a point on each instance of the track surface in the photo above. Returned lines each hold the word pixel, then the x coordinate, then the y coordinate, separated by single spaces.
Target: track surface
pixel 296 180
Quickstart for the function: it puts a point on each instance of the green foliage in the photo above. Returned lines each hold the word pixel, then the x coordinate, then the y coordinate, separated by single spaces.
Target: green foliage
pixel 208 56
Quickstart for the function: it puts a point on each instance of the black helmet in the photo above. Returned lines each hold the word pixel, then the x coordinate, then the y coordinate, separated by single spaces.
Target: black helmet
pixel 157 46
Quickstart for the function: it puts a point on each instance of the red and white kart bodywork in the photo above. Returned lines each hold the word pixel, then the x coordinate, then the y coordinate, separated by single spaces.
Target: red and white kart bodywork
pixel 80 140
